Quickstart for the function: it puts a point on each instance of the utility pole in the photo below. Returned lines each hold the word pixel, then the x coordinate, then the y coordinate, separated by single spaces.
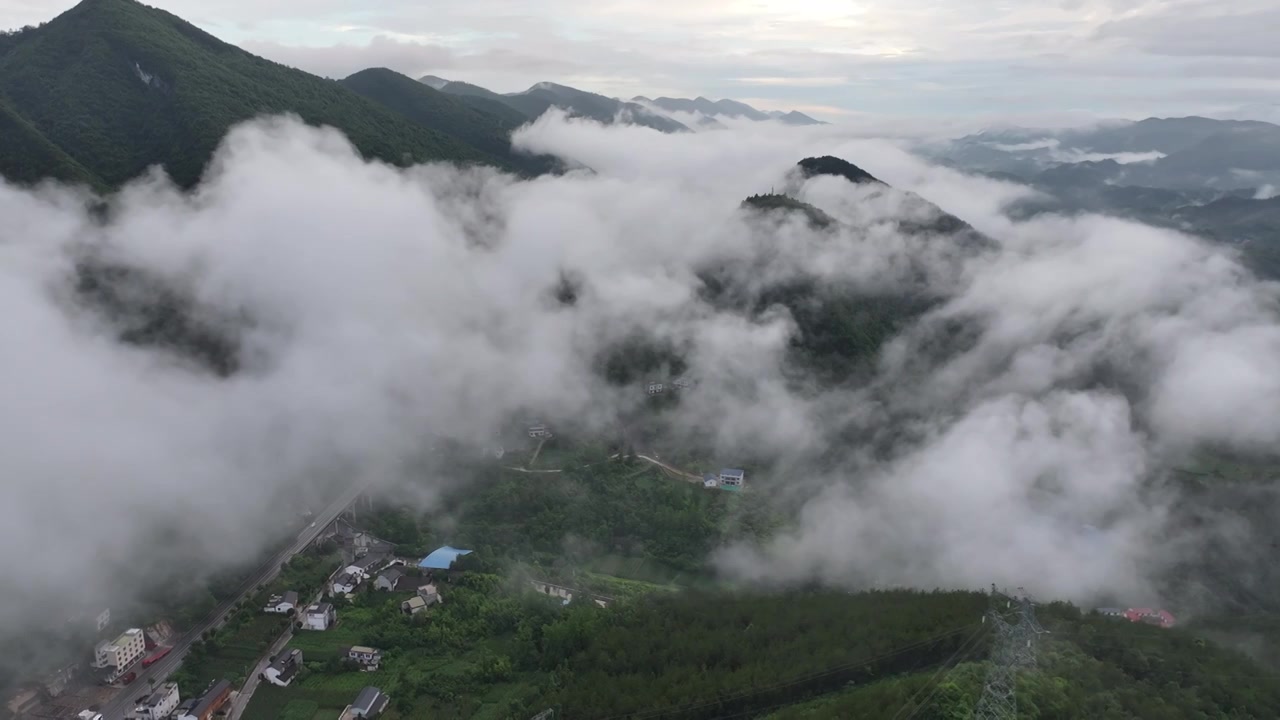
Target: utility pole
pixel 1013 623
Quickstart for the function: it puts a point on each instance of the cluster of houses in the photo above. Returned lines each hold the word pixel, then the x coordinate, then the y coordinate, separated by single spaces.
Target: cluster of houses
pixel 658 387
pixel 728 479
pixel 1151 616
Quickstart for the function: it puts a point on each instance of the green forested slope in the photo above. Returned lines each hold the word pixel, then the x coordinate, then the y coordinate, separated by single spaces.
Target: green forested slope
pixel 488 132
pixel 26 156
pixel 119 86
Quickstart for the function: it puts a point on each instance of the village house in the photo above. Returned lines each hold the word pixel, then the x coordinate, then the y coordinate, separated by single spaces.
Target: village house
pixel 159 704
pixel 208 704
pixel 283 668
pixel 368 704
pixel 366 565
pixel 567 594
pixel 344 583
pixel 320 616
pixel 366 657
pixel 656 388
pixel 282 604
pixel 732 479
pixel 389 578
pixel 425 597
pixel 539 431
pixel 710 480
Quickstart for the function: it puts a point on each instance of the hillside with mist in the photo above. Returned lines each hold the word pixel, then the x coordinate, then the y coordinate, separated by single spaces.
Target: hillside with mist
pixel 997 363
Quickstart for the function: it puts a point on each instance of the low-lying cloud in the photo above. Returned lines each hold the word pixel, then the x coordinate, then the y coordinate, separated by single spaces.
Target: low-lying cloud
pixel 375 307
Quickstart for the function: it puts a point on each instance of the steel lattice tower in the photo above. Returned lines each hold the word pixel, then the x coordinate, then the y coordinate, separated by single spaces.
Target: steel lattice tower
pixel 1013 623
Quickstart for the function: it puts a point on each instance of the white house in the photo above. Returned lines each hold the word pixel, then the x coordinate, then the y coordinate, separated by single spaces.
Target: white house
pixel 366 565
pixel 283 668
pixel 320 616
pixel 656 388
pixel 388 579
pixel 120 653
pixel 732 478
pixel 103 619
pixel 282 604
pixel 539 431
pixel 345 582
pixel 682 384
pixel 159 705
pixel 710 481
pixel 368 658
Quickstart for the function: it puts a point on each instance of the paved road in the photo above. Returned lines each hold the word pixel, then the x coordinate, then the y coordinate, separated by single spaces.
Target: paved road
pixel 251 683
pixel 123 703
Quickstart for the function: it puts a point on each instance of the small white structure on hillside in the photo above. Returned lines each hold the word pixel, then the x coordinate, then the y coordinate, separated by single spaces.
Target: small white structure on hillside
pixel 539 431
pixel 320 616
pixel 282 604
pixel 366 657
pixel 656 388
pixel 732 478
pixel 283 668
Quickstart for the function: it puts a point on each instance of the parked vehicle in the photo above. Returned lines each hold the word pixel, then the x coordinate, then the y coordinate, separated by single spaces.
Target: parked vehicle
pixel 155 657
pixel 129 678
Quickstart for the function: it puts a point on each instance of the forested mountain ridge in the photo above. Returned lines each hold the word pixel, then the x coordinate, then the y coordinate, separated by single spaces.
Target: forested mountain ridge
pixel 488 130
pixel 543 96
pixel 111 87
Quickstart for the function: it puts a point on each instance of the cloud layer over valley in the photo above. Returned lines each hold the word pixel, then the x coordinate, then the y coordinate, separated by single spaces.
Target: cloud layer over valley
pixel 1012 433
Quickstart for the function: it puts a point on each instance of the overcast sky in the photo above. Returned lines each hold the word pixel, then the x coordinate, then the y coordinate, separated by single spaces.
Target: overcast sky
pixel 833 58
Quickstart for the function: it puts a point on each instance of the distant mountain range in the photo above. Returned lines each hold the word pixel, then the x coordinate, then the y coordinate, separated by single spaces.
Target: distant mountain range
pixel 639 110
pixel 1214 178
pixel 714 110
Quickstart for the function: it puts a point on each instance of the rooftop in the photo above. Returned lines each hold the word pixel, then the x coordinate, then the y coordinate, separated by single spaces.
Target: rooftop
pixel 442 558
pixel 363 649
pixel 320 608
pixel 732 472
pixel 393 574
pixel 370 701
pixel 211 698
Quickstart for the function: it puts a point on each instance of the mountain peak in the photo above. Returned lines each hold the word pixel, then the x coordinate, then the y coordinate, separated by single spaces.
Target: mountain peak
pixel 433 81
pixel 831 165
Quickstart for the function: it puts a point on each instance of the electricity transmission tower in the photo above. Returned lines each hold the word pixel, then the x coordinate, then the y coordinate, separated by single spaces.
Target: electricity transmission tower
pixel 1013 623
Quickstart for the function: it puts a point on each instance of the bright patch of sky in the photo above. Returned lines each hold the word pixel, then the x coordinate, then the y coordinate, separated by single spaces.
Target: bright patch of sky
pixel 1110 58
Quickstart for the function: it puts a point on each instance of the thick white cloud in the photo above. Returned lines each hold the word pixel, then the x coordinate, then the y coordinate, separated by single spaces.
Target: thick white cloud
pixel 376 307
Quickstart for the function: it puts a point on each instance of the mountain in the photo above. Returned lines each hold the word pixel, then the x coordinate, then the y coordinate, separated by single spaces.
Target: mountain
pixel 543 96
pixel 111 87
pixel 726 109
pixel 1188 153
pixel 485 129
pixel 795 117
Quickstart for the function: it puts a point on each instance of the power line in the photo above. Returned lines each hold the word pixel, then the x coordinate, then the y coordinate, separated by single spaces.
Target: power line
pixel 966 648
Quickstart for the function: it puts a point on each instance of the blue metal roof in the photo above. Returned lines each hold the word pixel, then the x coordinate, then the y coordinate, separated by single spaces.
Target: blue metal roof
pixel 442 558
